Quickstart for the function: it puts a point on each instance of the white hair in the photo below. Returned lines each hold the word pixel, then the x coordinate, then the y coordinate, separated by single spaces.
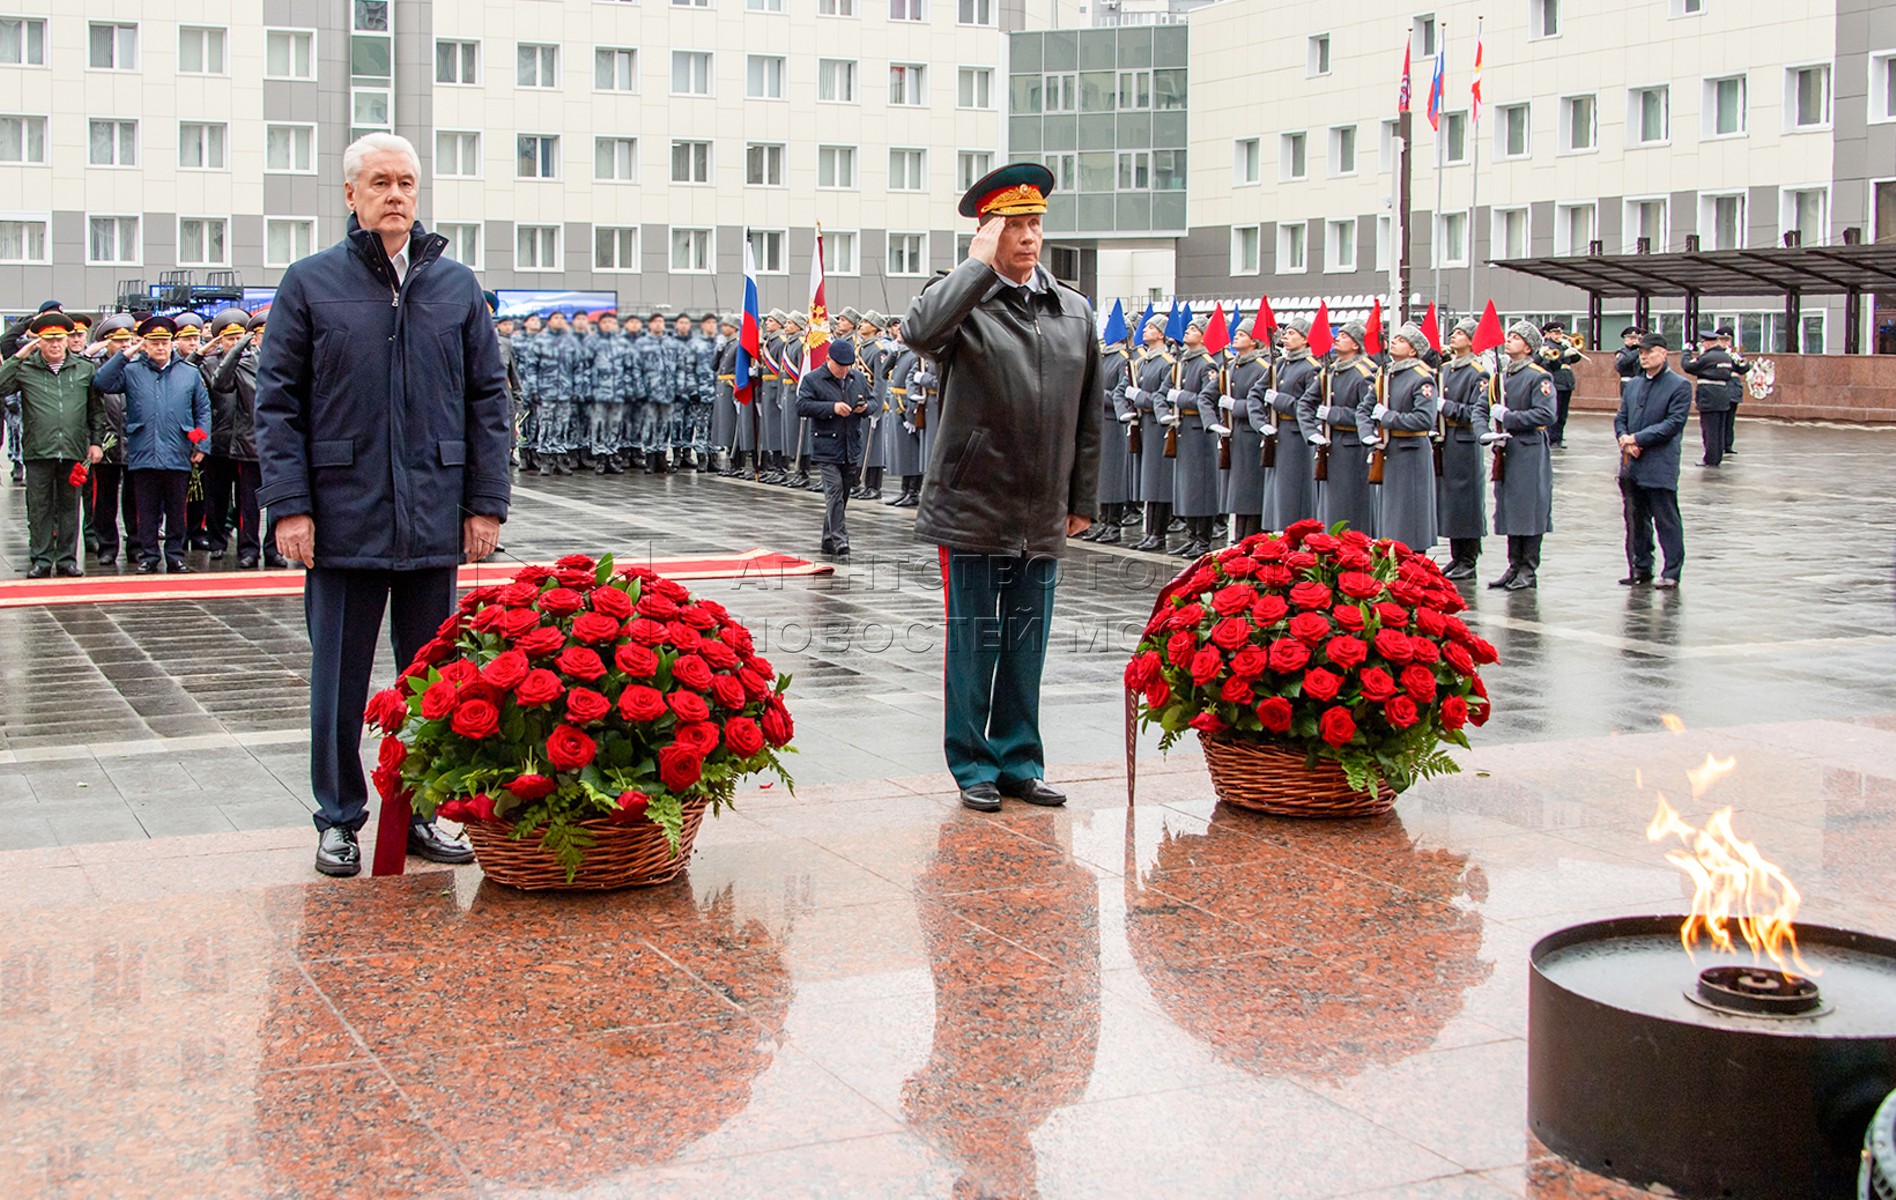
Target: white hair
pixel 371 143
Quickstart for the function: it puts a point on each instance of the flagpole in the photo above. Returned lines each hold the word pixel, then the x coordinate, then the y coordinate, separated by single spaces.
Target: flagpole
pixel 1441 162
pixel 1404 206
pixel 1474 170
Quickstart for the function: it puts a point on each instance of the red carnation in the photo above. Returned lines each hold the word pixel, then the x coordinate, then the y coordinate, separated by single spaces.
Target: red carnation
pixel 197 437
pixel 1236 691
pixel 727 691
pixel 1251 662
pixel 611 602
pixel 387 710
pixel 743 736
pixel 689 706
pixel 1288 654
pixel 678 767
pixel 439 700
pixel 778 727
pixel 1376 683
pixel 595 628
pixel 1454 712
pixel 541 686
pixel 700 737
pixel 692 671
pixel 1231 632
pixel 1234 600
pixel 1393 644
pixel 638 703
pixel 1274 712
pixel 540 642
pixel 1310 594
pixel 1337 726
pixel 77 477
pixel 1269 610
pixel 568 749
pixel 1359 585
pixel 507 670
pixel 516 621
pixel 580 663
pixel 1400 710
pixel 584 706
pixel 646 633
pixel 636 660
pixel 560 601
pixel 1350 617
pixel 1322 684
pixel 1309 627
pixel 476 719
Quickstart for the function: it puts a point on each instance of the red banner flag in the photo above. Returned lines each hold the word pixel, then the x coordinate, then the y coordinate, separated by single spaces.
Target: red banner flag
pixel 1320 339
pixel 1432 328
pixel 1488 333
pixel 1373 331
pixel 1217 333
pixel 1266 319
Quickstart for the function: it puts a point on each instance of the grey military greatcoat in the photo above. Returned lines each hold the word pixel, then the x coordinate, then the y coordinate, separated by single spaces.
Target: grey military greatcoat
pixel 1290 488
pixel 1244 483
pixel 1461 508
pixel 1118 470
pixel 1195 474
pixel 1524 499
pixel 1151 381
pixel 1328 408
pixel 1408 486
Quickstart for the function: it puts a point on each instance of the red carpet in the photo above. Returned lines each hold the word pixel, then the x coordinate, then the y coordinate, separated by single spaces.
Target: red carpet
pixel 228 585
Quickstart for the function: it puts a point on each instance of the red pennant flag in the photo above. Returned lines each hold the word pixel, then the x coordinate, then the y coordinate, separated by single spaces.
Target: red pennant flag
pixel 1488 333
pixel 1373 332
pixel 1217 333
pixel 1432 329
pixel 1266 319
pixel 1320 339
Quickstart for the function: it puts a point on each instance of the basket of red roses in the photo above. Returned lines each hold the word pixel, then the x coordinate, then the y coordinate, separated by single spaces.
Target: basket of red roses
pixel 579 721
pixel 1321 670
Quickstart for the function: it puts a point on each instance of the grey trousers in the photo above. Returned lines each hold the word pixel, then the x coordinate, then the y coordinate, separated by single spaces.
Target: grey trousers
pixel 839 479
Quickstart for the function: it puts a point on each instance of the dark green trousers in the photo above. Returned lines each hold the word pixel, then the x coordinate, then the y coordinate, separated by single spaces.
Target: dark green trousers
pixel 52 513
pixel 999 608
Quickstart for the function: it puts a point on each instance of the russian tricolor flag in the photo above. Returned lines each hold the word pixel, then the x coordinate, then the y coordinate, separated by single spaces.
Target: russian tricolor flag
pixel 750 332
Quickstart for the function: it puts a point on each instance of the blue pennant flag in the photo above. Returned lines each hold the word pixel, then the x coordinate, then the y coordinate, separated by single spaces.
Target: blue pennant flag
pixel 1143 318
pixel 1115 326
pixel 1176 322
pixel 1237 315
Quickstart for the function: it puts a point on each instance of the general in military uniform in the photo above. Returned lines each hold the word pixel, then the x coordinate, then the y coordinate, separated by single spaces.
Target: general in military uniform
pixel 62 424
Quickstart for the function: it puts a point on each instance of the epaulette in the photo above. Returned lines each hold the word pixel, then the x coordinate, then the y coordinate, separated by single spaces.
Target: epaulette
pixel 1362 367
pixel 1538 367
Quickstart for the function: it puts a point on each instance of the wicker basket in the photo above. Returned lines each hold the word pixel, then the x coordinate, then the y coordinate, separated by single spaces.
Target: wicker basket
pixel 1270 779
pixel 635 855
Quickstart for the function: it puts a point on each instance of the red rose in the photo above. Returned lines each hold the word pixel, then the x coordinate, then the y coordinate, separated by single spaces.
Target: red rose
pixel 540 642
pixel 1271 551
pixel 1274 713
pixel 1483 650
pixel 656 607
pixel 1349 617
pixel 743 736
pixel 481 690
pixel 692 671
pixel 1236 691
pixel 636 660
pixel 1337 726
pixel 575 562
pixel 1231 632
pixel 759 663
pixel 736 637
pixel 1392 615
pixel 678 767
pixel 480 808
pixel 1234 600
pixel 1430 622
pixel 1322 684
pixel 1269 610
pixel 1346 652
pixel 387 710
pixel 1143 669
pixel 1356 538
pixel 1406 592
pixel 1419 682
pixel 695 616
pixel 576 579
pixel 1299 530
pixel 580 663
pixel 689 706
pixel 460 673
pixel 1393 644
pixel 1299 560
pixel 560 601
pixel 632 804
pixel 488 619
pixel 1187 616
pixel 568 749
pixel 1400 710
pixel 439 700
pixel 1288 654
pixel 610 602
pixel 516 621
pixel 390 755
pixel 1478 712
pixel 1180 647
pixel 584 706
pixel 1201 581
pixel 700 737
pixel 683 636
pixel 1157 693
pixel 1309 627
pixel 719 655
pixel 1454 712
pixel 518 595
pixel 449 628
pixel 1205 664
pixel 1376 683
pixel 1426 652
pixel 1351 559
pixel 1208 723
pixel 1319 543
pixel 595 628
pixel 454 809
pixel 638 703
pixel 1359 585
pixel 644 632
pixel 1310 594
pixel 675 592
pixel 1459 658
pixel 1239 567
pixel 1275 575
pixel 1250 662
pixel 476 719
pixel 755 686
pixel 778 727
pixel 534 573
pixel 507 670
pixel 541 686
pixel 727 691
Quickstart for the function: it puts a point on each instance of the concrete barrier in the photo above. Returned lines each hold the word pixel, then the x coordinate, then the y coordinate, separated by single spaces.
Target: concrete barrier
pixel 1810 387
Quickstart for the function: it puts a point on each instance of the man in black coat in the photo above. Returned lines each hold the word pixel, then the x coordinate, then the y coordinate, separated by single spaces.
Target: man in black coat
pixel 382 429
pixel 1652 414
pixel 1714 370
pixel 834 399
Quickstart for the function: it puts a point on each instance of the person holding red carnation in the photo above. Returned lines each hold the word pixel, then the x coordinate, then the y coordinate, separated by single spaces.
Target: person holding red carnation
pixel 167 414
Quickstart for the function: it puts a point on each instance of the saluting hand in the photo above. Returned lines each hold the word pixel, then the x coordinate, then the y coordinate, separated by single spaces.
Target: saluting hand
pixel 986 246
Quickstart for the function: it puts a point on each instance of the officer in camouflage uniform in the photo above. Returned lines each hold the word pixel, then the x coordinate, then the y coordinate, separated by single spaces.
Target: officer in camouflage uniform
pixel 526 357
pixel 504 330
pixel 653 373
pixel 578 444
pixel 631 395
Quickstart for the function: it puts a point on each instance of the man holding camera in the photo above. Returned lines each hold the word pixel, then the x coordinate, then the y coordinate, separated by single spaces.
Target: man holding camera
pixel 834 399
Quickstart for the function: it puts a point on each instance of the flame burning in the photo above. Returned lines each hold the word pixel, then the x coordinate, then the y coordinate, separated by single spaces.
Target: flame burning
pixel 1732 882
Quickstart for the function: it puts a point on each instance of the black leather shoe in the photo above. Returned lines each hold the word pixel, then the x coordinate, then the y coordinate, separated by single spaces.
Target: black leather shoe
pixel 148 568
pixel 1109 535
pixel 1151 541
pixel 1521 582
pixel 1635 578
pixel 1459 570
pixel 178 568
pixel 981 797
pixel 71 571
pixel 247 563
pixel 1036 791
pixel 1664 583
pixel 275 562
pixel 40 571
pixel 425 841
pixel 1507 577
pixel 338 854
pixel 108 560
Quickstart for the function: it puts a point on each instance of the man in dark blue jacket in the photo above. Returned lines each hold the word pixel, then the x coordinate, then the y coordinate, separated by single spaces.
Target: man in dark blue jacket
pixel 382 429
pixel 835 401
pixel 1653 409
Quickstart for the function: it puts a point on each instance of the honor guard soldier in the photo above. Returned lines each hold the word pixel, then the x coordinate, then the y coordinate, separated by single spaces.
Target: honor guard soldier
pixel 62 423
pixel 1399 422
pixel 1289 473
pixel 731 421
pixel 1712 367
pixel 1118 469
pixel 905 437
pixel 795 430
pixel 769 433
pixel 1461 501
pixel 1558 354
pixel 165 403
pixel 873 367
pixel 1523 404
pixel 1152 374
pixel 1245 380
pixel 1327 413
pixel 1192 413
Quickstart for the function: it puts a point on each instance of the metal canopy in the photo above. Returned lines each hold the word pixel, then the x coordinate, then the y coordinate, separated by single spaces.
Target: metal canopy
pixel 1817 270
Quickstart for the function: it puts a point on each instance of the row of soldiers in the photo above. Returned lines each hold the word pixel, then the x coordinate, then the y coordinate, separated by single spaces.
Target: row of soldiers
pixel 1401 445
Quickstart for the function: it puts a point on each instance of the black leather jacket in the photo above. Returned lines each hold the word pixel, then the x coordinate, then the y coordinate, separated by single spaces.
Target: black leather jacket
pixel 233 380
pixel 1018 444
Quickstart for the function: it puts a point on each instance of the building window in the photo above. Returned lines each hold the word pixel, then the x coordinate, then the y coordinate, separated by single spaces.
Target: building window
pixel 23 44
pixel 615 248
pixel 1246 161
pixel 908 84
pixel 835 8
pixel 1451 245
pixel 287 239
pixel 203 242
pixel 201 51
pixel 537 156
pixel 1135 91
pixel 836 80
pixel 1511 131
pixel 1343 150
pixel 457 154
pixel 1806 212
pixel 1066 171
pixel 370 108
pixel 616 159
pixel 1063 93
pixel 1574 226
pixel 289 149
pixel 464 242
pixel 1649 116
pixel 767 248
pixel 1098 171
pixel 1806 97
pixel 836 167
pixel 763 77
pixel 536 248
pixel 1422 33
pixel 1339 246
pixel 763 165
pixel 1455 137
pixel 691 73
pixel 1688 8
pixel 1579 124
pixel 906 10
pixel 22 241
pixel 1388 148
pixel 1292 247
pixel 908 254
pixel 112 47
pixel 1722 221
pixel 457 62
pixel 1883 87
pixel 1646 219
pixel 615 69
pixel 775 6
pixel 289 54
pixel 691 162
pixel 1725 107
pixel 23 140
pixel 112 240
pixel 112 143
pixel 371 16
pixel 971 166
pixel 905 170
pixel 201 146
pixel 1317 59
pixel 1135 170
pixel 976 12
pixel 1291 159
pixel 1543 18
pixel 691 3
pixel 536 66
pixel 1168 170
pixel 1510 235
pixel 1245 259
pixel 974 87
pixel 839 253
pixel 691 251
